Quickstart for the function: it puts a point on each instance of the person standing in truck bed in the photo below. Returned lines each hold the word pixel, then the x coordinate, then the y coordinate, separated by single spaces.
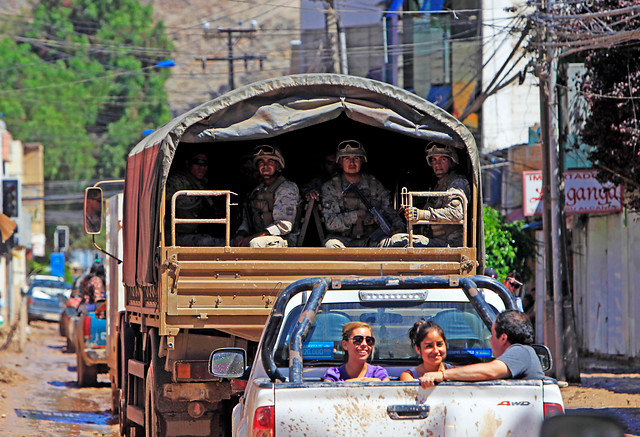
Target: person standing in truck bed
pixel 346 217
pixel 271 209
pixel 511 337
pixel 443 160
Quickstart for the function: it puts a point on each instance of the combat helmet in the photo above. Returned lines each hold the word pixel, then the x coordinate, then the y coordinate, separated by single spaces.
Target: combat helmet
pixel 434 149
pixel 267 151
pixel 351 148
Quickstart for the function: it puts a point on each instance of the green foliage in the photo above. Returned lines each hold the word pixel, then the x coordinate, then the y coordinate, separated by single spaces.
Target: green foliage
pixel 81 79
pixel 612 89
pixel 508 248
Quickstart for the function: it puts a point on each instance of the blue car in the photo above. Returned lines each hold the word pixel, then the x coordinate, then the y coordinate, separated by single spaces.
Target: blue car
pixel 47 298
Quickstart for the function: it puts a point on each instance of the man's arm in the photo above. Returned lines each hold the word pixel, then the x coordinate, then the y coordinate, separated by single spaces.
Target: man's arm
pixel 495 369
pixel 335 220
pixel 453 209
pixel 285 208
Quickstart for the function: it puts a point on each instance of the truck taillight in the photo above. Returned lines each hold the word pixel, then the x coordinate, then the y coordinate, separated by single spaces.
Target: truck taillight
pixel 238 385
pixel 86 328
pixel 551 409
pixel 264 422
pixel 193 371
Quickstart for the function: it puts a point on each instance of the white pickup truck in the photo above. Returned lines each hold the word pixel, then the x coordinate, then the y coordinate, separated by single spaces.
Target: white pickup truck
pixel 285 393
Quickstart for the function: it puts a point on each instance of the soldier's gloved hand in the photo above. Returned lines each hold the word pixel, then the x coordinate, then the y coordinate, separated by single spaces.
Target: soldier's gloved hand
pixel 411 214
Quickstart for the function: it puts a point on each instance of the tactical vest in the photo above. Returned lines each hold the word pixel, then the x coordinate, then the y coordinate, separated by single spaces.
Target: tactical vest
pixel 450 233
pixel 351 202
pixel 262 202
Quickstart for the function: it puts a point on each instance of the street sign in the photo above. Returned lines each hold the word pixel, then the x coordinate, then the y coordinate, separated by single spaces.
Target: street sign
pixel 584 194
pixel 57 264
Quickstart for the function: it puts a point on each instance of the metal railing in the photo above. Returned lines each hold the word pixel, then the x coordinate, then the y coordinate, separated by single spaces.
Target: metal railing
pixel 222 221
pixel 407 201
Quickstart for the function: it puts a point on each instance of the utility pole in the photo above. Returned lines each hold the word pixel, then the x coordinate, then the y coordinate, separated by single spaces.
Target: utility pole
pixel 331 28
pixel 230 58
pixel 558 305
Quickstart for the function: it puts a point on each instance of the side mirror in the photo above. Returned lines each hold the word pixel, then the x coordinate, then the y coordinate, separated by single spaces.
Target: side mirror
pixel 228 362
pixel 92 210
pixel 544 354
pixel 579 425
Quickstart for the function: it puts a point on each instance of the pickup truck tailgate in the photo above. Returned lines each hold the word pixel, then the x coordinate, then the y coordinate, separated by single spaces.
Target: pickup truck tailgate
pixel 496 408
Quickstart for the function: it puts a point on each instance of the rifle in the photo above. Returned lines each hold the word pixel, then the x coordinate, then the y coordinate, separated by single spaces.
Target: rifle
pixel 384 226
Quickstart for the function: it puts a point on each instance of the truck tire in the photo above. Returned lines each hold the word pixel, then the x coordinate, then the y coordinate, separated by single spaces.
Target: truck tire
pixel 115 400
pixel 127 340
pixel 71 347
pixel 152 426
pixel 87 375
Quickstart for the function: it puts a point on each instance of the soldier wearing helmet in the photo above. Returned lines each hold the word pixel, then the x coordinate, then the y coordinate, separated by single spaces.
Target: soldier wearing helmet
pixel 442 159
pixel 193 177
pixel 271 208
pixel 346 217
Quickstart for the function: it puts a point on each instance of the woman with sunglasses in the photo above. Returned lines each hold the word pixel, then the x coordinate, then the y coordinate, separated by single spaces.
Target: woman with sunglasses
pixel 357 343
pixel 429 341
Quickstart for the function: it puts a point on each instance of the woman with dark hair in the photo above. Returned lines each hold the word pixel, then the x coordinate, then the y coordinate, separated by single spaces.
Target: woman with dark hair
pixel 430 343
pixel 357 343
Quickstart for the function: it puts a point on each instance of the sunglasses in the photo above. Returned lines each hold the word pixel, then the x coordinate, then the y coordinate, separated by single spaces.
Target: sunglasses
pixel 202 162
pixel 349 145
pixel 514 284
pixel 358 339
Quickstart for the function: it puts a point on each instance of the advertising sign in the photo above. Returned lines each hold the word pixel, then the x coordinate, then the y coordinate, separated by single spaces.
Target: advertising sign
pixel 583 193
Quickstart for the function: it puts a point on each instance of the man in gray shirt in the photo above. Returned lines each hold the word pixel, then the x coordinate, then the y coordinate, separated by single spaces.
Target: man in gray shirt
pixel 511 337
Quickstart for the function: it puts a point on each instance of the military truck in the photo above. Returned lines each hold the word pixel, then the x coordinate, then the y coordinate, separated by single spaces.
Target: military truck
pixel 182 302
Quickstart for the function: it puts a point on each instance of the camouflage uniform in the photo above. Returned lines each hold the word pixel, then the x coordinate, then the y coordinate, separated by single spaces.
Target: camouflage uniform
pixel 191 207
pixel 272 208
pixel 439 208
pixel 340 212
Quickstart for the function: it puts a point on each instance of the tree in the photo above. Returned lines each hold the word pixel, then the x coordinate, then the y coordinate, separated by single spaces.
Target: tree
pixel 508 248
pixel 81 79
pixel 605 33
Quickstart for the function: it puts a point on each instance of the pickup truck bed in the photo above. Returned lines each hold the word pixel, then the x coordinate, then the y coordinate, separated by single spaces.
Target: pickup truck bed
pixel 285 392
pixel 402 408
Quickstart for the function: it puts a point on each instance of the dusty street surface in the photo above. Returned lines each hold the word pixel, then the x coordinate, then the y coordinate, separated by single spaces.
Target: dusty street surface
pixel 39 395
pixel 608 387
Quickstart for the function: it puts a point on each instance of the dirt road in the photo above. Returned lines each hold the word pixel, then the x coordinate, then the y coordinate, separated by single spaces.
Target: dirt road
pixel 39 395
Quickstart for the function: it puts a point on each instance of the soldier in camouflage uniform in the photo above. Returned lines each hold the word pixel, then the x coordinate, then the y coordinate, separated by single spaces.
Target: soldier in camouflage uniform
pixel 192 207
pixel 271 209
pixel 346 217
pixel 443 160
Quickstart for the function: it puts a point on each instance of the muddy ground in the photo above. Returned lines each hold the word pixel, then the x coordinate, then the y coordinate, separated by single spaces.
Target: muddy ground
pixel 39 395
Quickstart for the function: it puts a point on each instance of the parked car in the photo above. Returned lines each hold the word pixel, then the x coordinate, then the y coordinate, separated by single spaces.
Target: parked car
pixel 47 298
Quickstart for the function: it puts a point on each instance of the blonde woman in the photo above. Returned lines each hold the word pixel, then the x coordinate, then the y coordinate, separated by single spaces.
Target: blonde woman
pixel 357 343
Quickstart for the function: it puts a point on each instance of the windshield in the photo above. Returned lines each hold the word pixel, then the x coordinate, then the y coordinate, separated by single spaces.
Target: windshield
pixel 467 336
